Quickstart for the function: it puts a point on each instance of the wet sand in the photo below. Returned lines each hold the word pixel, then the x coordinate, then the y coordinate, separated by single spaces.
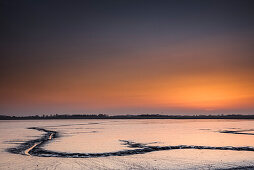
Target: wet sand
pixel 132 144
pixel 34 148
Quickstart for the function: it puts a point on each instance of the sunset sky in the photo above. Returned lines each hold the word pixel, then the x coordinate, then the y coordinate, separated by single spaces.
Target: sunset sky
pixel 127 57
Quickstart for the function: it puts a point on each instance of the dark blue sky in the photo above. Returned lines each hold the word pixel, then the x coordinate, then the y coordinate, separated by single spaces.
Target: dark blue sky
pixel 126 56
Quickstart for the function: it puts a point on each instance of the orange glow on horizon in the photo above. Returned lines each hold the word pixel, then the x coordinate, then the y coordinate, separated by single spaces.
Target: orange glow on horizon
pixel 202 91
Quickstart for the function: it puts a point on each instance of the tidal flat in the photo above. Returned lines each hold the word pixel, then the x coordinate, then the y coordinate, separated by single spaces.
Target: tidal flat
pixel 127 144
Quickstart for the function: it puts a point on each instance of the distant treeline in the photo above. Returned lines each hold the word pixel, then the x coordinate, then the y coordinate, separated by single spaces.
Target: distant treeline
pixel 142 116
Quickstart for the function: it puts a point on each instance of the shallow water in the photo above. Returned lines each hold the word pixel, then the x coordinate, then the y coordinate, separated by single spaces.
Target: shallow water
pixel 104 136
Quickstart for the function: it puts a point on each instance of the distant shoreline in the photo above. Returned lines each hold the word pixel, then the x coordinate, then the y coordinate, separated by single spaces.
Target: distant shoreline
pixel 142 116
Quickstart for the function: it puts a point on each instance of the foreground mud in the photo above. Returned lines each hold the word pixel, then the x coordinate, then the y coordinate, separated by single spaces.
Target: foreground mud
pixel 34 147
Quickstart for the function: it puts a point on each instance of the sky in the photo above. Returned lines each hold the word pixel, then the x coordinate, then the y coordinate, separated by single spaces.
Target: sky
pixel 126 57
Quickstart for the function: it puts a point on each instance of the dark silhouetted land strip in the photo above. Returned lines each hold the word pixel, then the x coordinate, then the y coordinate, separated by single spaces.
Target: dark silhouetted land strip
pixel 142 116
